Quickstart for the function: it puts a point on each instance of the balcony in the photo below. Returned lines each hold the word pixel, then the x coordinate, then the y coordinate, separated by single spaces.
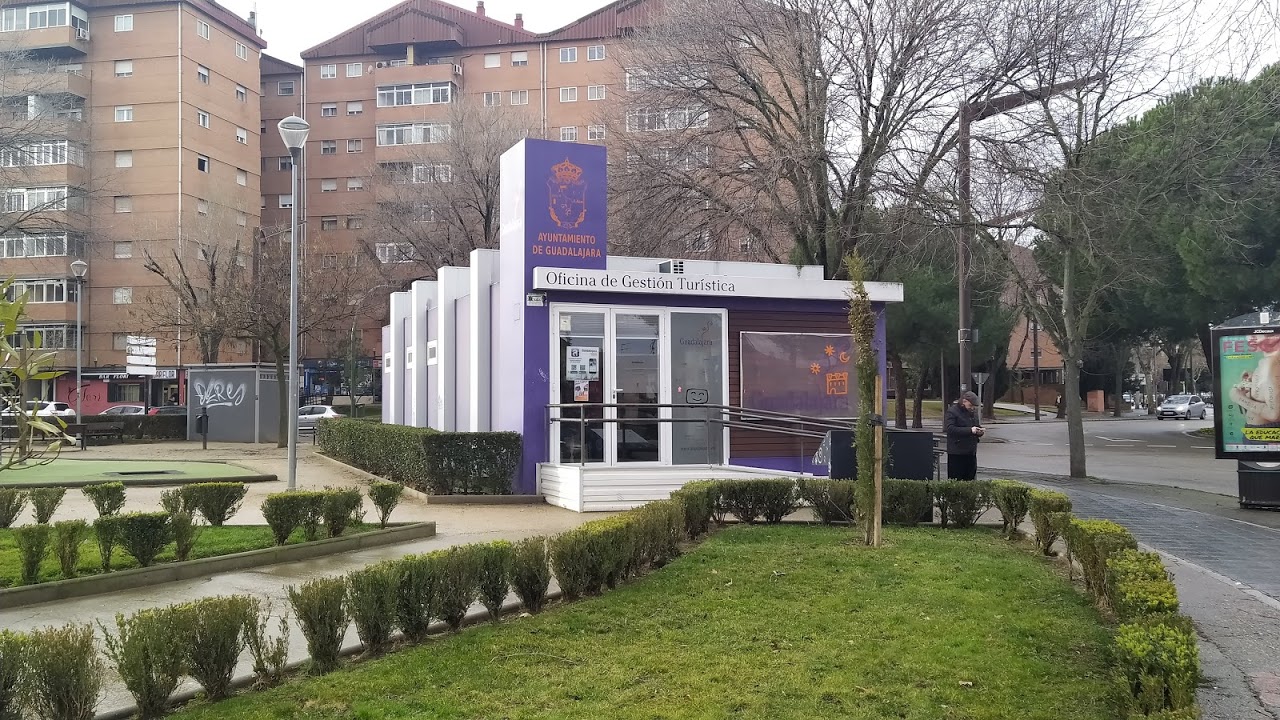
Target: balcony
pixel 409 74
pixel 17 84
pixel 64 41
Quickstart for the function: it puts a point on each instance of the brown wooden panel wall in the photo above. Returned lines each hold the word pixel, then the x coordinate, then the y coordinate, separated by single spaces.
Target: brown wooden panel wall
pixel 751 443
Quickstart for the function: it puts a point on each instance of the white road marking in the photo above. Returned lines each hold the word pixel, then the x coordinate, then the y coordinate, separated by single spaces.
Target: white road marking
pixel 1202 447
pixel 1111 439
pixel 1162 446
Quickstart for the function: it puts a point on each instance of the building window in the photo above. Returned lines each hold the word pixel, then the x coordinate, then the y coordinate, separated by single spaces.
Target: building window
pixel 122 296
pixel 284 88
pixel 202 206
pixel 569 54
pixel 568 94
pixel 328 262
pixel 242 94
pixel 242 220
pixel 120 341
pixel 355 184
pixel 202 74
pixel 328 147
pixel 595 132
pixel 355 222
pixel 433 173
pixel 418 94
pixel 124 113
pixel 355 108
pixel 59 245
pixel 329 110
pixel 520 59
pixel 124 23
pixel 202 119
pixel 329 223
pixel 492 99
pixel 595 92
pixel 202 163
pixel 124 249
pixel 242 51
pixel 519 97
pixel 355 146
pixel 329 185
pixel 493 60
pixel 202 29
pixel 124 68
pixel 124 203
pixel 412 133
pixel 328 72
pixel 355 69
pixel 286 201
pixel 568 134
pixel 124 392
pixel 286 163
pixel 124 158
pixel 669 119
pixel 595 52
pixel 242 177
pixel 394 252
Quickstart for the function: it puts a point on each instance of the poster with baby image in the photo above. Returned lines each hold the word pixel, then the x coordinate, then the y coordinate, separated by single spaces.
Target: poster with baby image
pixel 1249 383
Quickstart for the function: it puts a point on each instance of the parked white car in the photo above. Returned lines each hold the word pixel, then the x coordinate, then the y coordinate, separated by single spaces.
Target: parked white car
pixel 309 415
pixel 1187 407
pixel 45 408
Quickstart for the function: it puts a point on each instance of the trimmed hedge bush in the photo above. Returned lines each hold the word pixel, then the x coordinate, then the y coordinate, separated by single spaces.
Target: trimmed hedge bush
pixel 573 563
pixel 68 536
pixel 288 511
pixel 106 530
pixel 175 500
pixel 33 545
pixel 1091 542
pixel 185 531
pixel 471 463
pixel 697 501
pixel 385 496
pixel 144 535
pixel 216 501
pixel 962 502
pixel 65 674
pixel 341 508
pixel 457 582
pixel 742 499
pixel 1138 584
pixel 216 637
pixel 45 502
pixel 531 572
pixel 107 498
pixel 1157 667
pixel 270 654
pixel 12 503
pixel 150 427
pixel 906 502
pixel 1013 500
pixel 321 609
pixel 415 594
pixel 12 661
pixel 832 500
pixel 150 650
pixel 1040 505
pixel 371 599
pixel 494 563
pixel 394 452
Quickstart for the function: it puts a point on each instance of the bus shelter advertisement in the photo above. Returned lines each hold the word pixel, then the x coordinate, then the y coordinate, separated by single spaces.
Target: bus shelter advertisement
pixel 1248 414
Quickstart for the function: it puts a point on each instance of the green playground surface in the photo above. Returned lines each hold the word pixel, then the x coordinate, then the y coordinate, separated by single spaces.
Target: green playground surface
pixel 67 471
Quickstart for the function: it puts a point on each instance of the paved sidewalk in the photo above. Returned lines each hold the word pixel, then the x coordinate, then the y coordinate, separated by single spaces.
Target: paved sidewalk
pixel 1227 571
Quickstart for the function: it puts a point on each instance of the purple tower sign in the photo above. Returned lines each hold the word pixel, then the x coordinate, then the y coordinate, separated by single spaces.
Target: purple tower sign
pixel 553 212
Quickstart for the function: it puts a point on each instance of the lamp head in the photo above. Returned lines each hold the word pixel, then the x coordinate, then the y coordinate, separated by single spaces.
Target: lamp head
pixel 293 130
pixel 79 268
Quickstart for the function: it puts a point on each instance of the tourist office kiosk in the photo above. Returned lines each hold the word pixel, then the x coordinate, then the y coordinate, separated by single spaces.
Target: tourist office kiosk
pixel 626 376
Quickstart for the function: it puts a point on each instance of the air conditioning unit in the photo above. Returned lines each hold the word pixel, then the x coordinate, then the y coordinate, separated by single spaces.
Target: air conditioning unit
pixel 381 64
pixel 82 33
pixel 457 70
pixel 673 267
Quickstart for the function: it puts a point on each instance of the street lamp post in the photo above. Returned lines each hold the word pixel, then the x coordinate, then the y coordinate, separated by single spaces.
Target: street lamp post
pixel 293 130
pixel 79 269
pixel 969 114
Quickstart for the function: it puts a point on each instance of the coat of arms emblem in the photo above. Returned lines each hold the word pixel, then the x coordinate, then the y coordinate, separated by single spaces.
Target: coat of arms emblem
pixel 567 195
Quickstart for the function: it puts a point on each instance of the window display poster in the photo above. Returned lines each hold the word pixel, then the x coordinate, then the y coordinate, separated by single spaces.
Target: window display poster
pixel 1248 412
pixel 798 373
pixel 583 363
pixel 581 391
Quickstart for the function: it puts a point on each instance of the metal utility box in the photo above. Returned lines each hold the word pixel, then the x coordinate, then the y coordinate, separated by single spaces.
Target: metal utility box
pixel 243 402
pixel 1259 484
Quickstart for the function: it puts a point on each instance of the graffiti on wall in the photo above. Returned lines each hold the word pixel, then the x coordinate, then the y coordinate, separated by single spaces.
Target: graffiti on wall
pixel 216 393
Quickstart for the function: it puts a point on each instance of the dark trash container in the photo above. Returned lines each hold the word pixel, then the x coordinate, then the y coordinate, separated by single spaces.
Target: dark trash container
pixel 908 454
pixel 1259 484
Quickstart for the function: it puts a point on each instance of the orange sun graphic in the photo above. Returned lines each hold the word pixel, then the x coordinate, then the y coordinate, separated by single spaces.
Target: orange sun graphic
pixel 815 368
pixel 829 351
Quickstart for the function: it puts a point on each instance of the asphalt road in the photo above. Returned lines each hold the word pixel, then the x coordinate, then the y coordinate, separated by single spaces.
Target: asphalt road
pixel 1143 451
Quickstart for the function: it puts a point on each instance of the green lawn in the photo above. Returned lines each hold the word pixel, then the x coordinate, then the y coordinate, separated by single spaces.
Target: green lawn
pixel 758 622
pixel 213 541
pixel 65 469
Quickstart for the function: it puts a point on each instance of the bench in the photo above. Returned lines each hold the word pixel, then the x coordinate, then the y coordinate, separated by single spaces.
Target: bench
pixel 84 431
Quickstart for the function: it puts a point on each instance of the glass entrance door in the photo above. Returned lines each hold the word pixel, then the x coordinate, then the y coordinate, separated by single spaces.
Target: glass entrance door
pixel 637 364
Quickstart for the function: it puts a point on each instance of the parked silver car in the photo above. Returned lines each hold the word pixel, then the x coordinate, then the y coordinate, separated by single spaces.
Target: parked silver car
pixel 309 415
pixel 125 410
pixel 1187 407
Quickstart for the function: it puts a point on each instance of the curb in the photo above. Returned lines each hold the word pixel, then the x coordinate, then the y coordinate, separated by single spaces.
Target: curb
pixel 430 499
pixel 473 617
pixel 153 482
pixel 204 567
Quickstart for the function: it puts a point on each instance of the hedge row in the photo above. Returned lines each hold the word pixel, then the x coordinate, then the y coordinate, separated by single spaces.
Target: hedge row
pixel 149 427
pixel 441 463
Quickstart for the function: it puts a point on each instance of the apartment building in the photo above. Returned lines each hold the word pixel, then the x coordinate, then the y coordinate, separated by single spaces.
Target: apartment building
pixel 282 95
pixel 133 130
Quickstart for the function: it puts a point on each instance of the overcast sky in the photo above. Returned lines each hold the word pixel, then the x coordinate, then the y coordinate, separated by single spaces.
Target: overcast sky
pixel 322 19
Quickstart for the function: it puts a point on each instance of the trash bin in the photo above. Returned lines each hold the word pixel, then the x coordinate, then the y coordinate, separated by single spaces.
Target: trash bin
pixel 908 454
pixel 1259 484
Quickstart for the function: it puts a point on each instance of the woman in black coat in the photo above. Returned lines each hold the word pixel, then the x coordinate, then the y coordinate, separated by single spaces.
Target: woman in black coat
pixel 963 428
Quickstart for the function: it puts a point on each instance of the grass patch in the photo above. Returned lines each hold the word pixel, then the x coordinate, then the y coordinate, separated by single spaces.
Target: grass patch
pixel 70 470
pixel 758 622
pixel 932 410
pixel 1203 433
pixel 213 541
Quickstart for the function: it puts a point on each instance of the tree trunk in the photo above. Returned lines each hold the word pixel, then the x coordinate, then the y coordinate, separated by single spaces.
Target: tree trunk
pixel 899 390
pixel 918 401
pixel 1122 352
pixel 1071 377
pixel 285 386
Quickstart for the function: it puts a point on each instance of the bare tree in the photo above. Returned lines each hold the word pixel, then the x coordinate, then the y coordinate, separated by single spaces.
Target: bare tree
pixel 441 201
pixel 792 121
